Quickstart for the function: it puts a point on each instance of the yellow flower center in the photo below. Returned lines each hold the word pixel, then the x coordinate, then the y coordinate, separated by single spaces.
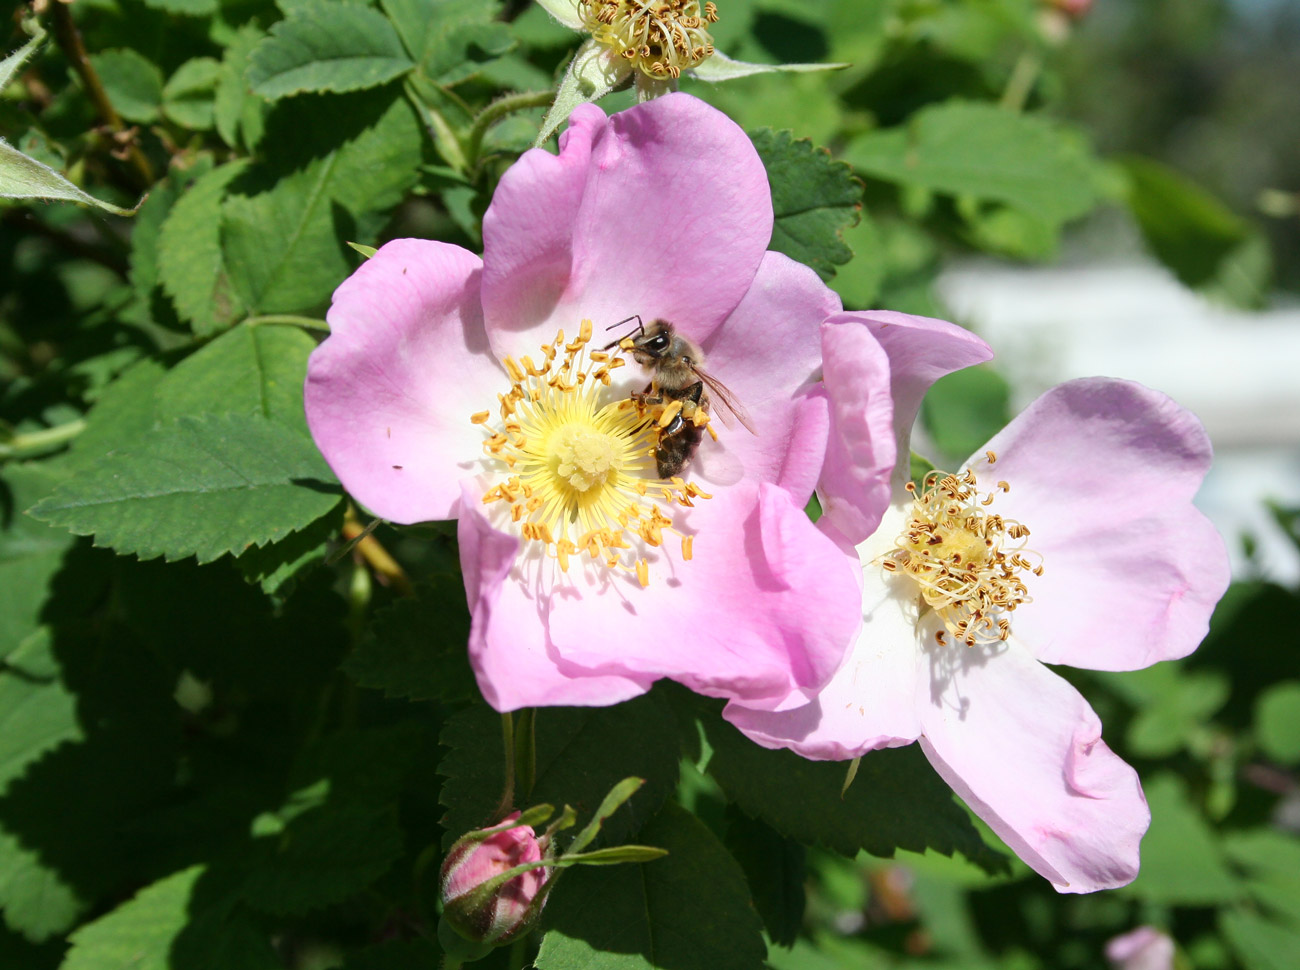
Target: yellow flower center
pixel 576 462
pixel 968 561
pixel 661 38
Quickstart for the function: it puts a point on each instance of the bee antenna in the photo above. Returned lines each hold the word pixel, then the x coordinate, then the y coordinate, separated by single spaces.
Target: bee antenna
pixel 636 316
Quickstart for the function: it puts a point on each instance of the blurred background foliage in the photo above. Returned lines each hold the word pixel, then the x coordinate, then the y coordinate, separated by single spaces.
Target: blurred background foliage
pixel 166 726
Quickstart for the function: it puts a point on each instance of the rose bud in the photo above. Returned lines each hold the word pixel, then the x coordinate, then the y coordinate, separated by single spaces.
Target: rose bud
pixel 500 912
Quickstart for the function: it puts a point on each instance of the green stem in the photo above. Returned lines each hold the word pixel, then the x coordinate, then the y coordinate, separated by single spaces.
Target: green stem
pixel 497 110
pixel 39 442
pixel 1023 77
pixel 526 752
pixel 288 320
pixel 519 953
pixel 508 746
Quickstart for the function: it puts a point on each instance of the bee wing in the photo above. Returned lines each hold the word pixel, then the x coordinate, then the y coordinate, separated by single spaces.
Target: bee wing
pixel 727 400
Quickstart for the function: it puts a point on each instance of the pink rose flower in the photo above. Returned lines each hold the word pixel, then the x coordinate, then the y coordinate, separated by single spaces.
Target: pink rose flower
pixel 1144 948
pixel 507 911
pixel 1070 538
pixel 447 390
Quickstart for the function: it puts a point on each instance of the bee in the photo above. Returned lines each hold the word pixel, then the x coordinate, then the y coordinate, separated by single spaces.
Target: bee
pixel 676 364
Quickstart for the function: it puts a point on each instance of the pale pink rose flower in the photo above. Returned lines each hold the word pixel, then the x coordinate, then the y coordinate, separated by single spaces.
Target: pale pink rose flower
pixel 1145 948
pixel 718 581
pixel 1092 484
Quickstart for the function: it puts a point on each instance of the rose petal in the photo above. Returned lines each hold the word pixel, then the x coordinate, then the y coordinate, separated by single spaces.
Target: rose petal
pixel 768 354
pixel 878 366
pixel 1024 750
pixel 390 392
pixel 766 606
pixel 1103 473
pixel 508 645
pixel 871 701
pixel 626 221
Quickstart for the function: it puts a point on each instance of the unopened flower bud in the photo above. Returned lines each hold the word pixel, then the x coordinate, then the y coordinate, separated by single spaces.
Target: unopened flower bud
pixel 499 913
pixel 1145 948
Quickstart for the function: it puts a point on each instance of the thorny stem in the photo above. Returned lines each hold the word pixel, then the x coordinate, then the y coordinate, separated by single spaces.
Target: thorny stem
pixel 377 557
pixel 497 110
pixel 69 39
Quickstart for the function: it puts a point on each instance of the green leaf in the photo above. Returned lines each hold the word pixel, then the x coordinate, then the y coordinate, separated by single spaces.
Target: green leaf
pixel 801 799
pixel 37 714
pixel 416 648
pixel 327 46
pixel 1269 862
pixel 814 199
pixel 133 83
pixel 189 93
pixel 146 234
pixel 1206 245
pixel 1277 722
pixel 277 565
pixel 125 411
pixel 1181 862
pixel 858 283
pixel 774 867
pixel 239 114
pixel 251 370
pixel 285 247
pixel 963 410
pixel 23 177
pixel 176 922
pixel 450 39
pixel 190 266
pixel 581 754
pixel 337 831
pixel 1165 724
pixel 650 916
pixel 984 151
pixel 201 487
pixel 1259 942
pixel 30 553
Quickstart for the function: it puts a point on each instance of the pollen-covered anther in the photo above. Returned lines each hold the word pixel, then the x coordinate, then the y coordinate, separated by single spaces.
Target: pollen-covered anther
pixel 661 38
pixel 967 561
pixel 576 462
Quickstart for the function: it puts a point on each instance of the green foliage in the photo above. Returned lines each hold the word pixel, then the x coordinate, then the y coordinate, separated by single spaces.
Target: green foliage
pixel 581 753
pixel 399 657
pixel 1207 246
pixel 985 153
pixel 965 409
pixel 198 487
pixel 802 799
pixel 326 45
pixel 814 199
pixel 650 915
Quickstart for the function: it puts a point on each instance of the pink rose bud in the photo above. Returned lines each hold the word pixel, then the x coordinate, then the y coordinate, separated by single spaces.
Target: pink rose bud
pixel 500 914
pixel 1145 948
pixel 1073 8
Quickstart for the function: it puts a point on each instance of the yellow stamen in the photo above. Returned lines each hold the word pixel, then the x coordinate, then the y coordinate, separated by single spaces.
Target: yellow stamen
pixel 661 38
pixel 577 468
pixel 960 556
